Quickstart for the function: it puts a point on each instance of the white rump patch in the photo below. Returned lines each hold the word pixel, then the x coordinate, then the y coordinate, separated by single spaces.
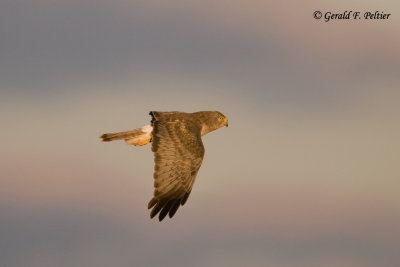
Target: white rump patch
pixel 147 129
pixel 142 136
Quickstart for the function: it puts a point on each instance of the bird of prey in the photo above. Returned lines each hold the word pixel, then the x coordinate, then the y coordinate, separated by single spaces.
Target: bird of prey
pixel 178 153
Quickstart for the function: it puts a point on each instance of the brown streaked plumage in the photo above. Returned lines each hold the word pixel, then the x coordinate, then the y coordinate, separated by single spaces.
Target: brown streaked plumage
pixel 178 153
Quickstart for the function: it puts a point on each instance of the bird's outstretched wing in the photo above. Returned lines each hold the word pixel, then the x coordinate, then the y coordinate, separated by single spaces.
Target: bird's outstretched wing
pixel 178 154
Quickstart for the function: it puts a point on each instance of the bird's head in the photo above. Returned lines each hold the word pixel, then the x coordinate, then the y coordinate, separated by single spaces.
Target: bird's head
pixel 222 120
pixel 213 120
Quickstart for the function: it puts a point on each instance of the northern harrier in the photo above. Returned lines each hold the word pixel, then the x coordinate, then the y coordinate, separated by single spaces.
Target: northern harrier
pixel 178 153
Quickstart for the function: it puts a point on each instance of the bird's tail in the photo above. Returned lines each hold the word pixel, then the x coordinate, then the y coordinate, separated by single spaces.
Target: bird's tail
pixel 137 137
pixel 119 136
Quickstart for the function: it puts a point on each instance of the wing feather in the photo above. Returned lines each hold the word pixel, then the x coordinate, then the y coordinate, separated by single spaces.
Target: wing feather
pixel 178 154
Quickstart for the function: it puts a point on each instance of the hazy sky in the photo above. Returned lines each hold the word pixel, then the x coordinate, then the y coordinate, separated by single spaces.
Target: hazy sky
pixel 307 174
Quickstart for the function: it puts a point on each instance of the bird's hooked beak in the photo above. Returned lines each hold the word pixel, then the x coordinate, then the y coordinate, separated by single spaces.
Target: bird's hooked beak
pixel 226 123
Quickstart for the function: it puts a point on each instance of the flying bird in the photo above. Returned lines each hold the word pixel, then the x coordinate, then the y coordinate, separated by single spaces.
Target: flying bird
pixel 178 153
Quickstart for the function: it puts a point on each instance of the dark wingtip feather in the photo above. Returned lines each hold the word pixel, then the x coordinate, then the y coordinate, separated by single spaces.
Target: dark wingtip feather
pixel 174 208
pixel 185 198
pixel 152 202
pixel 160 204
pixel 163 208
pixel 166 209
pixel 162 215
pixel 153 213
